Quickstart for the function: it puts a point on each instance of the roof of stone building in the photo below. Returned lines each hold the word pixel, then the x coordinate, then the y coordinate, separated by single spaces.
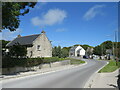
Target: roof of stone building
pixel 23 40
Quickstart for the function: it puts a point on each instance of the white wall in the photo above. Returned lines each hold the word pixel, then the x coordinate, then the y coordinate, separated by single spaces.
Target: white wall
pixel 82 51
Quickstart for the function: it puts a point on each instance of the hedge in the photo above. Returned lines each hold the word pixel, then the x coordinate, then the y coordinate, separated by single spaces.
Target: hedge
pixel 8 62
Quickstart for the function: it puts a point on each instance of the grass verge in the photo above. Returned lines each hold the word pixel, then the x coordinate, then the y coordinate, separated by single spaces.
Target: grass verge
pixel 75 61
pixel 110 67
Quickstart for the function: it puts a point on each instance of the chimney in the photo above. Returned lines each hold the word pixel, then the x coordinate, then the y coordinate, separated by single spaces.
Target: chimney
pixel 19 36
pixel 43 32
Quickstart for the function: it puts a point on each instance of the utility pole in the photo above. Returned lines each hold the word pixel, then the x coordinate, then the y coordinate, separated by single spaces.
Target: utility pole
pixel 113 47
pixel 102 50
pixel 116 49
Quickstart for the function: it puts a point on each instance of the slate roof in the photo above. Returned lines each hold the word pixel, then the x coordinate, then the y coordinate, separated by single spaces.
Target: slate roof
pixel 74 47
pixel 24 40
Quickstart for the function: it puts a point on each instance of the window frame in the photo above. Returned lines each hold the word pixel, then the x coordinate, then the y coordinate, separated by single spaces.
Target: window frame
pixel 38 48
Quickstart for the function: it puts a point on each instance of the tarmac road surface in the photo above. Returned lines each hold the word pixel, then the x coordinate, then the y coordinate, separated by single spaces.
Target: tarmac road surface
pixel 69 78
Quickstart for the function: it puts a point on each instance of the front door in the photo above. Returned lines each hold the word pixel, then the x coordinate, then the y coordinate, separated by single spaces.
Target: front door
pixel 78 55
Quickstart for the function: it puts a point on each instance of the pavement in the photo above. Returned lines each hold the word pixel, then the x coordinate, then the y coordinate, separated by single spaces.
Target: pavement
pixel 105 80
pixel 40 71
pixel 74 77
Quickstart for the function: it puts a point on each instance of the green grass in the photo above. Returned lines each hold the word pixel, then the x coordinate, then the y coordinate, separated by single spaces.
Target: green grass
pixel 110 67
pixel 72 61
pixel 52 59
pixel 75 61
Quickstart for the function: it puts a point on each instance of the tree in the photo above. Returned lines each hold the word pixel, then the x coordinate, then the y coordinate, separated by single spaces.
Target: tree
pixel 3 46
pixel 4 43
pixel 107 44
pixel 11 12
pixel 89 51
pixel 103 47
pixel 85 46
pixel 54 51
pixel 97 50
pixel 59 52
pixel 17 50
pixel 65 52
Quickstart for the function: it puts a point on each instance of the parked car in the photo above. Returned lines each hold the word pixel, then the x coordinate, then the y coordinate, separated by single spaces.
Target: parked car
pixel 85 57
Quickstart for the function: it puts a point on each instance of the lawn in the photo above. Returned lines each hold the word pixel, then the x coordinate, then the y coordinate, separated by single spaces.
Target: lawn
pixel 110 67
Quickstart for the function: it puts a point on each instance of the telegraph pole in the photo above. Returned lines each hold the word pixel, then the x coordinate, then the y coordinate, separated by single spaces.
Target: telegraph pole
pixel 113 47
pixel 116 52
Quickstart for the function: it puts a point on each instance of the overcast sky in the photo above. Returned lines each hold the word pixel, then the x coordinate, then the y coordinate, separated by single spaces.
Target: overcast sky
pixel 68 23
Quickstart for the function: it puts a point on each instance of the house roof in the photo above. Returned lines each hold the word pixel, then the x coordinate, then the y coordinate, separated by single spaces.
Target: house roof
pixel 24 40
pixel 74 47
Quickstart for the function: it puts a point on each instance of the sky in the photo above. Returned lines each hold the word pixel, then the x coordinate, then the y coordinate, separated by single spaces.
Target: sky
pixel 70 23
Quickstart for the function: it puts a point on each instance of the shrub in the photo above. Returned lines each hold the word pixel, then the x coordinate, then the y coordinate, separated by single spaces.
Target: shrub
pixel 18 50
pixel 8 62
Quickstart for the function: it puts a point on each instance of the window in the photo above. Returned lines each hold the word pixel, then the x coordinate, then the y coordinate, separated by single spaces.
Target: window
pixel 38 48
pixel 31 53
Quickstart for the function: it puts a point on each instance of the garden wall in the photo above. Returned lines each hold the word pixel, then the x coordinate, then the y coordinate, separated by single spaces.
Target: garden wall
pixel 15 70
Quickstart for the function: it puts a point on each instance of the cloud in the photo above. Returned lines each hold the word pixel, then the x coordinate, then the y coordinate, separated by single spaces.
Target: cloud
pixel 36 21
pixel 52 17
pixel 61 30
pixel 92 12
pixel 8 35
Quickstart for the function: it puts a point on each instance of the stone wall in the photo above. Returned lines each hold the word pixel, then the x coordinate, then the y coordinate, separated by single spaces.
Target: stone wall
pixel 43 66
pixel 45 47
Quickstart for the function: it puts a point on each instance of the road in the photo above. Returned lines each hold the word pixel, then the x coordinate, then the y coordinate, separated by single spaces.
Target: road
pixel 70 78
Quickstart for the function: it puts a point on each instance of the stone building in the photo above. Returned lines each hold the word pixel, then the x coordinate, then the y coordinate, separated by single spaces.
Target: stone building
pixel 76 51
pixel 38 45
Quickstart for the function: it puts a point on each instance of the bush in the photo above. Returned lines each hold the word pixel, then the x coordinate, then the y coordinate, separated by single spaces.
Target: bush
pixel 8 62
pixel 17 50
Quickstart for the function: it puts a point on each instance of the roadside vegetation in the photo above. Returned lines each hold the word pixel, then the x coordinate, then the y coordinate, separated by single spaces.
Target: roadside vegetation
pixel 110 67
pixel 8 62
pixel 75 61
pixel 17 57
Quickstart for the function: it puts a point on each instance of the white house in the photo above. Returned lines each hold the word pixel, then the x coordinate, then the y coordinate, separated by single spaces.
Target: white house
pixel 38 45
pixel 77 51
